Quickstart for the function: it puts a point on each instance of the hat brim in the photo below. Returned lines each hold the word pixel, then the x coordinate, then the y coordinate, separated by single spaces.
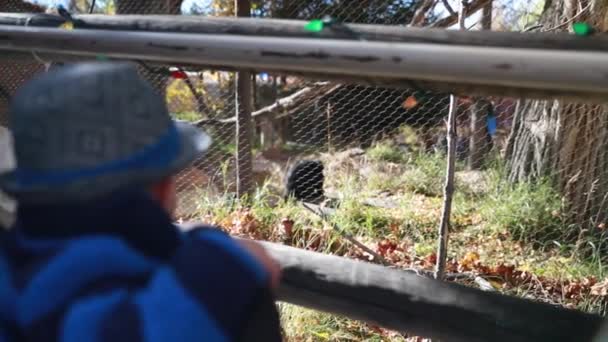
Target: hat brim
pixel 193 145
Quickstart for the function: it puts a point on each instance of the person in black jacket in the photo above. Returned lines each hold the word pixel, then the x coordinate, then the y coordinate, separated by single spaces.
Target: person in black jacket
pixel 94 254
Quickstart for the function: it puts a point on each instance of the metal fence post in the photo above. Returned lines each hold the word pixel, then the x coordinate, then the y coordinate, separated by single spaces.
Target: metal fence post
pixel 244 103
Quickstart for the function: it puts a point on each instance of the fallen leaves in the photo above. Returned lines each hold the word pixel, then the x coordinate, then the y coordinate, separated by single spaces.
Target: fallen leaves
pixel 468 269
pixel 386 247
pixel 244 223
pixel 286 227
pixel 600 289
pixel 470 260
pixel 431 259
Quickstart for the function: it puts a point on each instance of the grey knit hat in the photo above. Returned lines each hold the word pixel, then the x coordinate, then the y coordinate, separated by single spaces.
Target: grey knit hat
pixel 85 130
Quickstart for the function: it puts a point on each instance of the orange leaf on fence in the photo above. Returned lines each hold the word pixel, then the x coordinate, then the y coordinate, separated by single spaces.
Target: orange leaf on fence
pixel 410 102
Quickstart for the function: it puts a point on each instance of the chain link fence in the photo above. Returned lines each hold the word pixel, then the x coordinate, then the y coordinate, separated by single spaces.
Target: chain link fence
pixel 327 117
pixel 386 147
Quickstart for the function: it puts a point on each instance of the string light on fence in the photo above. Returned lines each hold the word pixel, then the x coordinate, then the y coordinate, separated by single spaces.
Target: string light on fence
pixel 315 26
pixel 582 29
pixel 410 102
pixel 318 25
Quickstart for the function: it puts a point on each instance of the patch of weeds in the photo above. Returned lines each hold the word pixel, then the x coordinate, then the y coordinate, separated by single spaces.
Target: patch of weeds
pixel 422 249
pixel 229 149
pixel 386 152
pixel 214 206
pixel 358 218
pixel 268 207
pixel 383 182
pixel 300 324
pixel 562 267
pixel 593 305
pixel 568 261
pixel 408 135
pixel 530 212
pixel 418 218
pixel 464 211
pixel 426 176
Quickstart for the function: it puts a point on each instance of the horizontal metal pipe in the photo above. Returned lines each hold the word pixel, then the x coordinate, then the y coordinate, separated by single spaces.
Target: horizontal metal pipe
pixel 559 71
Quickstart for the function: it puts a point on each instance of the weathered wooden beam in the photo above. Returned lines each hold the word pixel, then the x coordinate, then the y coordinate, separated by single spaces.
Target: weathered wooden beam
pixel 535 73
pixel 295 29
pixel 404 301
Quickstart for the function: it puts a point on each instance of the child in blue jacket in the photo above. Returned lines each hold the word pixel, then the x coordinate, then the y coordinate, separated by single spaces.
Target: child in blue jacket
pixel 94 254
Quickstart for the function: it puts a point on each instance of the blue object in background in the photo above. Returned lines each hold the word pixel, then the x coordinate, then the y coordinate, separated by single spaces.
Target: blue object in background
pixel 492 124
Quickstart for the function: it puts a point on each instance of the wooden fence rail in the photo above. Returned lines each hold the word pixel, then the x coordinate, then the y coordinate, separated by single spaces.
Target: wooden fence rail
pixel 461 69
pixel 295 29
pixel 407 302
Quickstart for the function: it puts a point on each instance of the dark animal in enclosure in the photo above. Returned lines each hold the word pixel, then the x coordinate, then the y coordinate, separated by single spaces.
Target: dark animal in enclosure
pixel 304 181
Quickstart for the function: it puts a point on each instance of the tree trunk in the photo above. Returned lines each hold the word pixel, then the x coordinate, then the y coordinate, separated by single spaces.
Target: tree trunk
pixel 565 142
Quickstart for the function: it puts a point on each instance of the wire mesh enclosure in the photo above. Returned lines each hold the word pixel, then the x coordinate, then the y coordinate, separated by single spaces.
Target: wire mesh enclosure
pixel 374 158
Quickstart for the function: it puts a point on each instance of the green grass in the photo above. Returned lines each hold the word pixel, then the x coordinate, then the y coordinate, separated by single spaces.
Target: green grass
pixel 531 212
pixel 386 152
pixel 359 219
pixel 507 224
pixel 426 176
pixel 307 325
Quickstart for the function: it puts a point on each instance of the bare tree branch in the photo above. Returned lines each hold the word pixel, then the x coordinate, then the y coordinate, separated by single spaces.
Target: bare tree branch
pixel 469 10
pixel 421 13
pixel 448 191
pixel 281 104
pixel 462 15
pixel 448 7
